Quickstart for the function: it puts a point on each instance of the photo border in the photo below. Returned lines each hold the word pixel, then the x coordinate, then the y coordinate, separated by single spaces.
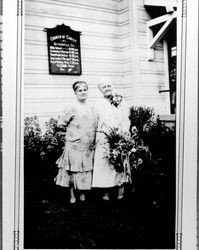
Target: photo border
pixel 13 37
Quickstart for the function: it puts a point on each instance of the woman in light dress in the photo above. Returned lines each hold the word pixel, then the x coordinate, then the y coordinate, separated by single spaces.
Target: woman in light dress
pixel 111 113
pixel 76 163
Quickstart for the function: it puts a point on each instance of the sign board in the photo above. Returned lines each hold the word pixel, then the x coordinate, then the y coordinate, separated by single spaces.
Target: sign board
pixel 64 50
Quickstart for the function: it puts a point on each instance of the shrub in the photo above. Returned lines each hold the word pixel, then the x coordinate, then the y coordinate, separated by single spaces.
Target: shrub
pixel 32 135
pixel 140 117
pixel 41 150
pixel 52 146
pixel 52 140
pixel 156 170
pixel 32 151
pixel 156 177
pixel 155 134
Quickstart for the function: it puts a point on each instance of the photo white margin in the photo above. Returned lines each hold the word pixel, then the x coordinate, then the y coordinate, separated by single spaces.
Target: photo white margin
pixel 186 125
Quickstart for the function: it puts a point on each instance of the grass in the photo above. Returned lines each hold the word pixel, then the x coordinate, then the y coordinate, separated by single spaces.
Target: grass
pixel 145 218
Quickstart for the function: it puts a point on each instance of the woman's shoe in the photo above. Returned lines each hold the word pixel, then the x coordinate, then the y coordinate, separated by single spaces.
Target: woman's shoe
pixel 82 197
pixel 105 197
pixel 119 197
pixel 120 193
pixel 72 200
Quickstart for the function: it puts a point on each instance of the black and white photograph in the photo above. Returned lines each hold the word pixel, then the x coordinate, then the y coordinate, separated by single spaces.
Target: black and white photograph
pixel 100 124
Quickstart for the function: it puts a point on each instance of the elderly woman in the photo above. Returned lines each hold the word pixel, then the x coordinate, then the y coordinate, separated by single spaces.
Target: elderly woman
pixel 112 113
pixel 76 163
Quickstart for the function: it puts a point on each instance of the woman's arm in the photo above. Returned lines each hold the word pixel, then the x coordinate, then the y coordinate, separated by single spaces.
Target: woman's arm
pixel 64 120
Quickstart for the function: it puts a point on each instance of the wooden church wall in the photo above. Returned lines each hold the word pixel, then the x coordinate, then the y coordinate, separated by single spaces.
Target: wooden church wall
pixel 113 43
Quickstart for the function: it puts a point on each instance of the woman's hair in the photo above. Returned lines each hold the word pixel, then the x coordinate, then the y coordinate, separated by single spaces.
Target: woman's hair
pixel 77 84
pixel 104 80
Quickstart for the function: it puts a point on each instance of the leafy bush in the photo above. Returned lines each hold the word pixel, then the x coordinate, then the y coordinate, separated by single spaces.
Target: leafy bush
pixel 32 135
pixel 52 144
pixel 32 151
pixel 141 117
pixel 155 134
pixel 156 169
pixel 52 140
pixel 41 150
pixel 155 179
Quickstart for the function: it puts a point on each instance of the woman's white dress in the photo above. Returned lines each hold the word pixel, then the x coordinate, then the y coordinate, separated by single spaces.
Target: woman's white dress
pixel 109 116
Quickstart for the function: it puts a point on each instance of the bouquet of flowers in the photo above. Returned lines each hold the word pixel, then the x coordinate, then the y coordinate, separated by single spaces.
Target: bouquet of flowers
pixel 126 152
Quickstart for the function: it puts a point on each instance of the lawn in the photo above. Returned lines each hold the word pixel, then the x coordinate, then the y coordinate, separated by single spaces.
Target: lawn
pixel 145 218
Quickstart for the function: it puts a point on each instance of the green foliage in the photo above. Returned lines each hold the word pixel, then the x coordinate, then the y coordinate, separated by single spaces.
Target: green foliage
pixel 52 141
pixel 41 150
pixel 140 117
pixel 156 177
pixel 32 135
pixel 159 137
pixel 150 148
pixel 150 129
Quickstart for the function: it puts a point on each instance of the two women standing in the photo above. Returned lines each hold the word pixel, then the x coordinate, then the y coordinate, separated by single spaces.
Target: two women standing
pixel 83 163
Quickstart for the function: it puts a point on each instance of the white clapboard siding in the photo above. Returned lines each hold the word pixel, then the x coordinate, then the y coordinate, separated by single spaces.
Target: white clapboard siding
pixel 126 51
pixel 54 9
pixel 150 74
pixel 104 42
pixel 50 80
pixel 110 6
pixel 107 49
pixel 95 66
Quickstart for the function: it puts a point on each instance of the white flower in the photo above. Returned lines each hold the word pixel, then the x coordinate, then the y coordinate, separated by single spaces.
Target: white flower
pixel 133 150
pixel 134 130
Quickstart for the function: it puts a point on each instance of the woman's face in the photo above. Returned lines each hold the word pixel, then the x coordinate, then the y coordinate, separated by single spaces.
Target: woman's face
pixel 81 92
pixel 106 89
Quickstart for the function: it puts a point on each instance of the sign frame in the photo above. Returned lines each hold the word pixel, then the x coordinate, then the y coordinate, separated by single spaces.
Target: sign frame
pixel 64 50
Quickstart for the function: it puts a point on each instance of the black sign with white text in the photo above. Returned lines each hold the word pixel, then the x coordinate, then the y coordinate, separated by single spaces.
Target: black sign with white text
pixel 64 50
